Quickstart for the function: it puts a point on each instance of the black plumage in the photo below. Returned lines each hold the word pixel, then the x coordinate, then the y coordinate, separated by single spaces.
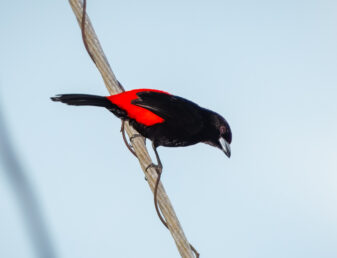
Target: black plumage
pixel 184 122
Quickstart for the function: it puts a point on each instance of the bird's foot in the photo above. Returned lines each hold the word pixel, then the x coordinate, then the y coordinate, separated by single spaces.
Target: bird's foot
pixel 135 136
pixel 158 168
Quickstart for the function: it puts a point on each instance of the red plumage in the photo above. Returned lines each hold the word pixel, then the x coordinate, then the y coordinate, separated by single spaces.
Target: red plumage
pixel 165 119
pixel 141 115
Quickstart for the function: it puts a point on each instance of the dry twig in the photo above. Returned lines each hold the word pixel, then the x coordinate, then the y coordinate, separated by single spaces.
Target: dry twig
pixel 96 53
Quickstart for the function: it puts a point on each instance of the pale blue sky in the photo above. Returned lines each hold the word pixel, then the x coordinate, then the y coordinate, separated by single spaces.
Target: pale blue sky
pixel 269 67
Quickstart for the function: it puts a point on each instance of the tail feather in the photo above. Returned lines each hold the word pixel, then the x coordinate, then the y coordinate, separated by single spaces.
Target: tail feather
pixel 89 100
pixel 82 100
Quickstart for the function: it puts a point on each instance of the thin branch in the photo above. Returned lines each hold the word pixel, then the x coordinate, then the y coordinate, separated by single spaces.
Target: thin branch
pixel 139 147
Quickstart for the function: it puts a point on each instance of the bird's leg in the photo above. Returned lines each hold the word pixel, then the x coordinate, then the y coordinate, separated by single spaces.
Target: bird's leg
pixel 159 166
pixel 135 136
pixel 125 141
pixel 129 146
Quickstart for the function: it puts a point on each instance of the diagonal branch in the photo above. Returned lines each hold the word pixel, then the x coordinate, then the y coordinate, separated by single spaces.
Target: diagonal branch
pixel 113 87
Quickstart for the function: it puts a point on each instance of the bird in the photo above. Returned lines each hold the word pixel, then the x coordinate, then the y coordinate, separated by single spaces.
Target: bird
pixel 165 119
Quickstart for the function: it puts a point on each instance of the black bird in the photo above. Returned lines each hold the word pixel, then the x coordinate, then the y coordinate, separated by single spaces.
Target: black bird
pixel 165 119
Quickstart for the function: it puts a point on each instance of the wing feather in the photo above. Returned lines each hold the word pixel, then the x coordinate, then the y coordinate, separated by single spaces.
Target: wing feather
pixel 178 113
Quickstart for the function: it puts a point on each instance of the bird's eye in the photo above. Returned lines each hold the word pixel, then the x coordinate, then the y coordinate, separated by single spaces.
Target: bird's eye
pixel 223 130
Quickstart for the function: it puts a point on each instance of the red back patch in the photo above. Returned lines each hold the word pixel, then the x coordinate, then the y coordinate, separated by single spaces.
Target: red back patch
pixel 140 114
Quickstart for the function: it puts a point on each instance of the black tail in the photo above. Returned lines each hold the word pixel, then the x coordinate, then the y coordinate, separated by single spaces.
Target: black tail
pixel 89 100
pixel 82 100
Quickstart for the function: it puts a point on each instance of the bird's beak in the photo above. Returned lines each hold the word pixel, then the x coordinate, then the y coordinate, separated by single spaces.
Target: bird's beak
pixel 225 147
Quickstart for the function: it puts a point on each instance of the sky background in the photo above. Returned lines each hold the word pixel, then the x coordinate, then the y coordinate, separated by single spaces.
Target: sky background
pixel 269 67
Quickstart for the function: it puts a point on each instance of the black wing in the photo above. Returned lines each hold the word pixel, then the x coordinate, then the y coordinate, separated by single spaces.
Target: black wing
pixel 177 112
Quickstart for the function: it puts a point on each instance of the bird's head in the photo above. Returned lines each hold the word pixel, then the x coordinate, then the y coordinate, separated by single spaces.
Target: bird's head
pixel 220 134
